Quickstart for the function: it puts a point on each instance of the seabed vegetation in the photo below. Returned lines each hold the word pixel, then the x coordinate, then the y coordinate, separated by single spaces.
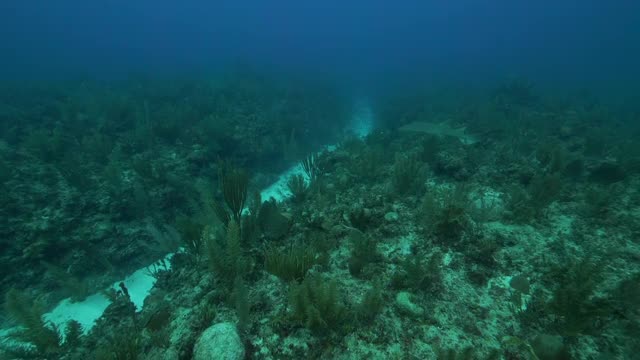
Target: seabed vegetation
pixel 503 225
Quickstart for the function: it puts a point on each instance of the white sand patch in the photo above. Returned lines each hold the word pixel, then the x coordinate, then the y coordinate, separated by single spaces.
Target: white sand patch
pixel 86 312
pixel 361 126
pixel 279 190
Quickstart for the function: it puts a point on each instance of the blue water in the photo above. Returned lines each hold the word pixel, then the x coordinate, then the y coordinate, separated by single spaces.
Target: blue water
pixel 573 43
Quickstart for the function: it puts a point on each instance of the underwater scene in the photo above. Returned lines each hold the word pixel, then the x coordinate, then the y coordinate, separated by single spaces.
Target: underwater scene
pixel 334 180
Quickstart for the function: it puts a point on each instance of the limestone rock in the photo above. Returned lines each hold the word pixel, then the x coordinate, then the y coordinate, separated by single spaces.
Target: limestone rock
pixel 220 341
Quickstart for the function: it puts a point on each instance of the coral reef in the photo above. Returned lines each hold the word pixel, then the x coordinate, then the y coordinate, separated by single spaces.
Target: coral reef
pixel 417 241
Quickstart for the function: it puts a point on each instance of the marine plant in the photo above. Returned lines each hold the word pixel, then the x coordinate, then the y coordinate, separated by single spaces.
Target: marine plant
pixel 370 306
pixel 48 146
pixel 310 167
pixel 72 335
pixel 36 337
pixel 316 304
pixel 292 264
pixel 418 273
pixel 405 177
pixel 598 201
pixel 234 183
pixel 225 254
pixel 272 223
pixel 242 304
pixel 360 217
pixel 363 252
pixel 367 161
pixel 531 202
pixel 126 344
pixel 297 187
pixel 444 213
pixel 191 232
pixel 575 306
